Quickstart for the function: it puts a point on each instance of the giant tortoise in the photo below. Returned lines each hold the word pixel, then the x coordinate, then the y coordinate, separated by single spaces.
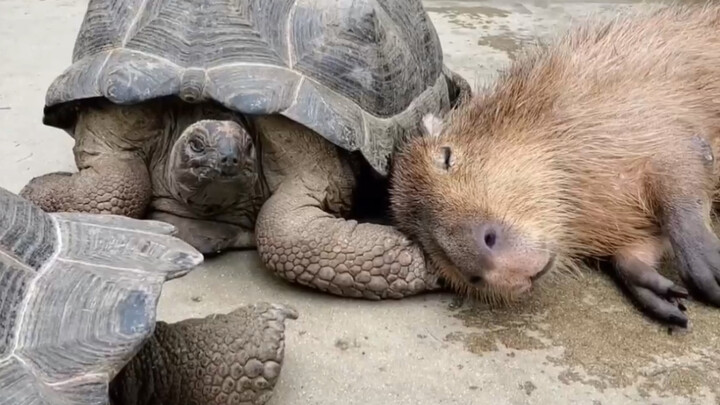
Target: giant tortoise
pixel 251 124
pixel 78 294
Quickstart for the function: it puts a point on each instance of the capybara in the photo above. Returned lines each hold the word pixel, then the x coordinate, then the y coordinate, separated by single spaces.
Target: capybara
pixel 599 144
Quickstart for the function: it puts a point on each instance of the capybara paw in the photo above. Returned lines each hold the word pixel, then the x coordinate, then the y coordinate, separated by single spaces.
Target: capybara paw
pixel 655 295
pixel 664 307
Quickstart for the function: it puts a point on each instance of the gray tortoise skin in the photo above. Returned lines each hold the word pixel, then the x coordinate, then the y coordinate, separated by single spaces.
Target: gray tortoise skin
pixel 253 124
pixel 78 294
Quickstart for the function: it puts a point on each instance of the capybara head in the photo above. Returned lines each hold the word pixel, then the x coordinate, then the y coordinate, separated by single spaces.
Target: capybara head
pixel 490 227
pixel 210 161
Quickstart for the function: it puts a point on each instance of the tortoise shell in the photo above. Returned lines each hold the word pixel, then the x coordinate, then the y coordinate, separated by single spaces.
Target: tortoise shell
pixel 360 73
pixel 78 294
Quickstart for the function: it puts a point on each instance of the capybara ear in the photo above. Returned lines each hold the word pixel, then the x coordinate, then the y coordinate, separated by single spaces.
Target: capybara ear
pixel 432 125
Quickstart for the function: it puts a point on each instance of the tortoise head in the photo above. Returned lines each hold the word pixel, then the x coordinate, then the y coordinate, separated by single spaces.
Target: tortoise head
pixel 211 163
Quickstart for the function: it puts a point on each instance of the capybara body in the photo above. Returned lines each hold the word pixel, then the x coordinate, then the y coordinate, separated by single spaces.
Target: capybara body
pixel 600 144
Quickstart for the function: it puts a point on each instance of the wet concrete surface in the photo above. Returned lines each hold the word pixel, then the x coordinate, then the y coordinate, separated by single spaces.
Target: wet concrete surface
pixel 575 341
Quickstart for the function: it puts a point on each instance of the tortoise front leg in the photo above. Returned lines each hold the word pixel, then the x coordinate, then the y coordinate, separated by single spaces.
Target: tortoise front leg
pixel 304 244
pixel 301 235
pixel 233 358
pixel 113 177
pixel 113 185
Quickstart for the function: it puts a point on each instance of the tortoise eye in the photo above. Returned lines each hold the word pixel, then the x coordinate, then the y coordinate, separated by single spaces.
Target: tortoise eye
pixel 196 146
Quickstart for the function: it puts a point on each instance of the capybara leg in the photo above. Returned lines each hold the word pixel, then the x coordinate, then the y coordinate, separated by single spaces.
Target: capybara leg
pixel 304 244
pixel 654 294
pixel 696 248
pixel 684 198
pixel 208 237
pixel 118 186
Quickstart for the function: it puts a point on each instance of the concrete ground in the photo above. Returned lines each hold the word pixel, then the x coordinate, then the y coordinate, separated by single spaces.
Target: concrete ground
pixel 577 341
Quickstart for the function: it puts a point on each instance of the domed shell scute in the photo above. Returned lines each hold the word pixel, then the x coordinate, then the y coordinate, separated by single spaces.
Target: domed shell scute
pixel 27 235
pixel 78 294
pixel 339 67
pixel 254 89
pixel 368 51
pixel 28 240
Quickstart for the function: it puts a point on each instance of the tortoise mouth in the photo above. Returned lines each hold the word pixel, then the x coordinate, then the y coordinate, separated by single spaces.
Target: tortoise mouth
pixel 210 173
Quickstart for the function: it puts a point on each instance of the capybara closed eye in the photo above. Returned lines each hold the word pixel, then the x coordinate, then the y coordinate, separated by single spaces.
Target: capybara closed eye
pixel 599 144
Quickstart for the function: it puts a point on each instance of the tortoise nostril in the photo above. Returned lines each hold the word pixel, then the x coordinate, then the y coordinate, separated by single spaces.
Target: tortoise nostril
pixel 229 160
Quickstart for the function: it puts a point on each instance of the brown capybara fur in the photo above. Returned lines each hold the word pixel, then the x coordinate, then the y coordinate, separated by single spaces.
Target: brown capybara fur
pixel 599 144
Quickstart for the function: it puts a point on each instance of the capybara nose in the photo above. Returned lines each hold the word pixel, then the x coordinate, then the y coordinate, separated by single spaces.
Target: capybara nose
pixel 488 237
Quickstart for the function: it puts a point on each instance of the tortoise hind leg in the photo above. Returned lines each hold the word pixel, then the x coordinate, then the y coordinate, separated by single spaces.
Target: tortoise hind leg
pixel 233 358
